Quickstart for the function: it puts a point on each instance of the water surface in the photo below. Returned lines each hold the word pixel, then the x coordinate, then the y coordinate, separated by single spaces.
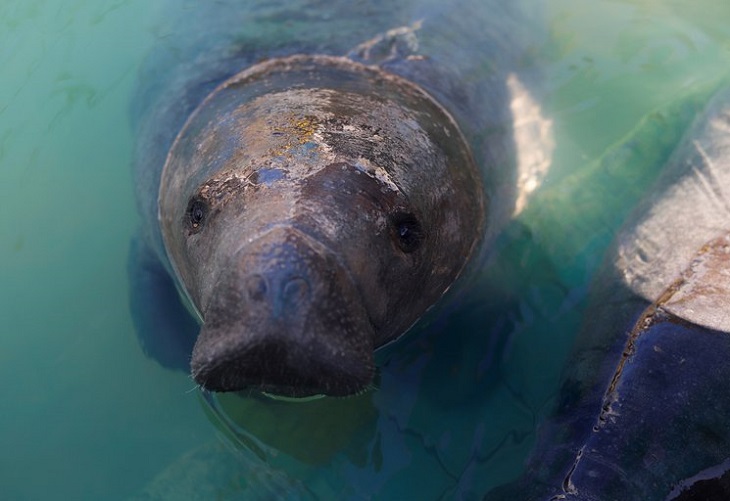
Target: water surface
pixel 86 416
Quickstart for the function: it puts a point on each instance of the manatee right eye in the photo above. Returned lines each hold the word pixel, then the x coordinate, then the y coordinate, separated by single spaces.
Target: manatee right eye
pixel 197 209
pixel 406 231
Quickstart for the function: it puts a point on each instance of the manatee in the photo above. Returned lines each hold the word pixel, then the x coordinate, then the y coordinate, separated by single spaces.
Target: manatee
pixel 312 179
pixel 643 408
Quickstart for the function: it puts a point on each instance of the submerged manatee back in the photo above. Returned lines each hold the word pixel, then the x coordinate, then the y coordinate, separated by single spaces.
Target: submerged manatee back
pixel 642 411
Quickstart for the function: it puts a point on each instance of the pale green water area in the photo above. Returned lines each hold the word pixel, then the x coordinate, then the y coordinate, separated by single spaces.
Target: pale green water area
pixel 85 415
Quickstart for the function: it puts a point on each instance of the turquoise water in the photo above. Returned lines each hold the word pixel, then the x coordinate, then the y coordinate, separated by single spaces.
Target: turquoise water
pixel 86 416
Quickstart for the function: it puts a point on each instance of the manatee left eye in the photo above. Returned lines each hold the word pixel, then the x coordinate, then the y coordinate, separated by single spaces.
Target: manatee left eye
pixel 406 231
pixel 196 213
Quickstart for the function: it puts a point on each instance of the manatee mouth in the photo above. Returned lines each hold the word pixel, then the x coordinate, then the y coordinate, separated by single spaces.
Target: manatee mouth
pixel 285 318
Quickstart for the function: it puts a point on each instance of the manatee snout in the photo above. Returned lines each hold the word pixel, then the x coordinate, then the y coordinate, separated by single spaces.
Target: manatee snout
pixel 285 318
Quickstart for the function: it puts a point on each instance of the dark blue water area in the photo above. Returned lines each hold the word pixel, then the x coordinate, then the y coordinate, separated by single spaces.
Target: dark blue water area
pixel 85 415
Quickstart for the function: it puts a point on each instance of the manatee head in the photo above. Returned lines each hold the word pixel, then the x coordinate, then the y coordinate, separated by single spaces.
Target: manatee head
pixel 313 209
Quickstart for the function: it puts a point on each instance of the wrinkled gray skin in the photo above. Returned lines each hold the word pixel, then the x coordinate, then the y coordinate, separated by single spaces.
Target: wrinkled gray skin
pixel 298 187
pixel 311 208
pixel 644 407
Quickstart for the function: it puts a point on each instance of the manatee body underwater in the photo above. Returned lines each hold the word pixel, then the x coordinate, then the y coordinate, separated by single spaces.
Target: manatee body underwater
pixel 312 179
pixel 643 409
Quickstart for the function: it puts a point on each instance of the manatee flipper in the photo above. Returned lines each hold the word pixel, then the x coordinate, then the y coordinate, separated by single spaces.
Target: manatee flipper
pixel 214 470
pixel 164 326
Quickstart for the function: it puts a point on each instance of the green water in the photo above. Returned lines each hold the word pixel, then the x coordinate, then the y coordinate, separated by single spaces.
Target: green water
pixel 84 415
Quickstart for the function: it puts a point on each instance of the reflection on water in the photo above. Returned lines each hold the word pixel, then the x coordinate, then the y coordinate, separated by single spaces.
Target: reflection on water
pixel 534 141
pixel 458 399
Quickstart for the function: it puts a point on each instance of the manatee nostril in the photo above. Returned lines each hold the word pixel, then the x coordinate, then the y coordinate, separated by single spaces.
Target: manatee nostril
pixel 295 291
pixel 256 287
